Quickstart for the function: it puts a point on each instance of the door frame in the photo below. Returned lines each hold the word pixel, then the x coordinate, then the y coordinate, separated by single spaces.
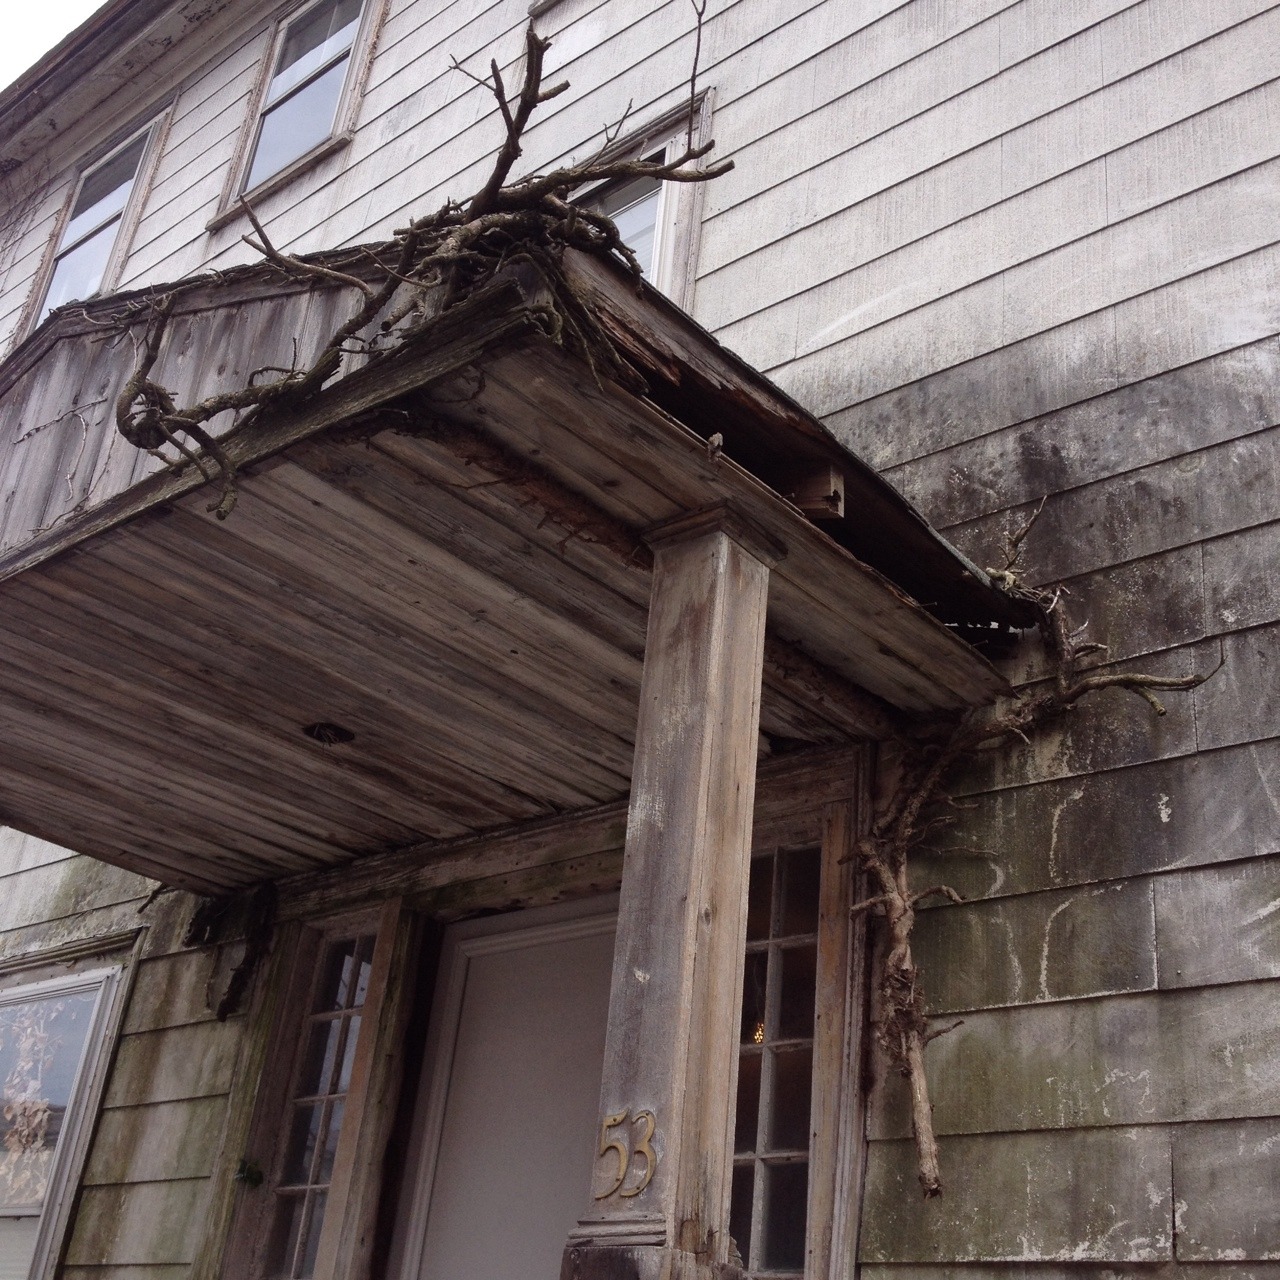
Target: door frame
pixel 464 942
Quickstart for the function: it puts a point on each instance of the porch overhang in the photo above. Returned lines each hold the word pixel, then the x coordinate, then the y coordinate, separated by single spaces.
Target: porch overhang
pixel 426 615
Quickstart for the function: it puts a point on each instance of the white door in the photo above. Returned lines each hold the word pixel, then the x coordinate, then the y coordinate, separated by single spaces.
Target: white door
pixel 503 1146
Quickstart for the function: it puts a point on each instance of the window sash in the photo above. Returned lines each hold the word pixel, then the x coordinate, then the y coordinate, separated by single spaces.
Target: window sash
pixel 308 82
pixel 90 239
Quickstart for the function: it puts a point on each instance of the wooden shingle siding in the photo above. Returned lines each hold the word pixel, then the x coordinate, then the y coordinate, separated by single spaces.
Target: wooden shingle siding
pixel 1072 291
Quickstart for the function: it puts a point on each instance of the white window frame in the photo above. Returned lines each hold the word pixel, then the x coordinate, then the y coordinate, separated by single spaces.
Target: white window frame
pixel 359 64
pixel 155 129
pixel 18 985
pixel 678 222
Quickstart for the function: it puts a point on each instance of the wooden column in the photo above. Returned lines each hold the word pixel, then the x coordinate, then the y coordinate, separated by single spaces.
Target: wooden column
pixel 660 1191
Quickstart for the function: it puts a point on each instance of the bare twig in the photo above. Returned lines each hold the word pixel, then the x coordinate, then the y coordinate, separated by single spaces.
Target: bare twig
pixel 406 285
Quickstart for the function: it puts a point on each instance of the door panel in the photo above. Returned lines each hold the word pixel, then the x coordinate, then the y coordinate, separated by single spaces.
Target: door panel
pixel 509 1096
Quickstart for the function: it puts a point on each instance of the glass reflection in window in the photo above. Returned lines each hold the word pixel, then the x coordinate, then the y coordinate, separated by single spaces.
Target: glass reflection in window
pixel 302 99
pixel 775 1066
pixel 90 234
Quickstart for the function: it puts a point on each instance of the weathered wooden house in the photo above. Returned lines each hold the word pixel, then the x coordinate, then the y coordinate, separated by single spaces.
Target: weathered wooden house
pixel 465 825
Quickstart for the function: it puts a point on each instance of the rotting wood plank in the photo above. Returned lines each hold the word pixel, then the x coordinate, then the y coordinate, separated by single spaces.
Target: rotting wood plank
pixel 119 701
pixel 379 588
pixel 868 620
pixel 160 1142
pixel 354 649
pixel 94 822
pixel 1221 805
pixel 275 690
pixel 789 674
pixel 1016 1195
pixel 1150 1058
pixel 461 337
pixel 238 857
pixel 535 561
pixel 800 690
pixel 791 795
pixel 555 647
pixel 273 704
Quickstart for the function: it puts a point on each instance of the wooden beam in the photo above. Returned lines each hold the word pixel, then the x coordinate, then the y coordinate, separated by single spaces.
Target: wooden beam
pixel 660 1191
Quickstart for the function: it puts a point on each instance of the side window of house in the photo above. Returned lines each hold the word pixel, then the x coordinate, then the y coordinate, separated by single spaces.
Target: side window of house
pixel 775 1065
pixel 657 221
pixel 92 242
pixel 50 1032
pixel 321 1079
pixel 303 105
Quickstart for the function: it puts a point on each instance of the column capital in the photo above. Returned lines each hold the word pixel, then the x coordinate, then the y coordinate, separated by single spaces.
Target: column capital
pixel 724 518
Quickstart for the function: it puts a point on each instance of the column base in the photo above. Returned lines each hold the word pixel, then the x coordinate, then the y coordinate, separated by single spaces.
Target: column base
pixel 641 1262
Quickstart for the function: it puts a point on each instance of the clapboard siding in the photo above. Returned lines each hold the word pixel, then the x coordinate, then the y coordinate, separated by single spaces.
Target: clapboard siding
pixel 1020 1197
pixel 1051 309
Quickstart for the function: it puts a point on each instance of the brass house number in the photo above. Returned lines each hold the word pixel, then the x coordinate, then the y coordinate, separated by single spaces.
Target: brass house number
pixel 639 1130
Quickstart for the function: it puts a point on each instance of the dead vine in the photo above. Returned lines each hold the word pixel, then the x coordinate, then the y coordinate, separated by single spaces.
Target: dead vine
pixel 404 287
pixel 909 819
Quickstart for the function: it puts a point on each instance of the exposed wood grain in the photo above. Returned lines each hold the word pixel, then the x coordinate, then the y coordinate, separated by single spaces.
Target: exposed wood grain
pixel 677 974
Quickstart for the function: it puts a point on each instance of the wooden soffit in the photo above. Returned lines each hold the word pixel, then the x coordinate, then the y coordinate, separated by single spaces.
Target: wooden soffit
pixel 425 617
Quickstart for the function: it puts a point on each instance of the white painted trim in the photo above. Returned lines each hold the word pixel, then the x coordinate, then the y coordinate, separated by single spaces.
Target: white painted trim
pixel 359 64
pixel 491 935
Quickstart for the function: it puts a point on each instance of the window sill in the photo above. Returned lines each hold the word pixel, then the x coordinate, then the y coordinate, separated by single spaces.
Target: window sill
pixel 232 210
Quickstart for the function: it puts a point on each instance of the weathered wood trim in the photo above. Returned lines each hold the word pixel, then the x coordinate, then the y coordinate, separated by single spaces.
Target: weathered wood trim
pixel 347 1238
pixel 790 796
pixel 232 1213
pixel 65 1191
pixel 463 336
pixel 670 1048
pixel 838 1121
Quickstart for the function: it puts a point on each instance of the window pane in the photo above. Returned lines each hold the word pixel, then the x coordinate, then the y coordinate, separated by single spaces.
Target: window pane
pixel 748 1101
pixel 754 981
pixel 282 1247
pixel 302 1145
pixel 312 40
pixel 792 1087
pixel 799 980
pixel 105 191
pixel 41 1044
pixel 637 221
pixel 348 1054
pixel 759 898
pixel 744 1181
pixel 324 1168
pixel 315 1220
pixel 299 123
pixel 786 1207
pixel 78 272
pixel 345 976
pixel 800 878
pixel 321 1056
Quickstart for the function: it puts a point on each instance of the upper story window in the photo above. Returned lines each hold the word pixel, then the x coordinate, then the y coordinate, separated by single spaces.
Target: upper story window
pixel 658 221
pixel 300 107
pixel 95 238
pixel 307 97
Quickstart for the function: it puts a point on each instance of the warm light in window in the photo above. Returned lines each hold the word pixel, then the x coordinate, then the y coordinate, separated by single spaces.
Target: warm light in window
pixel 759 1035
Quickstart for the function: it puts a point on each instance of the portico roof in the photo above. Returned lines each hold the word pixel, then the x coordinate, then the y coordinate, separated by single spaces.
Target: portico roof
pixel 426 615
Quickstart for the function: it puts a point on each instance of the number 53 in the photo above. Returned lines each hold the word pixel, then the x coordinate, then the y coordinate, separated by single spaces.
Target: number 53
pixel 646 1121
